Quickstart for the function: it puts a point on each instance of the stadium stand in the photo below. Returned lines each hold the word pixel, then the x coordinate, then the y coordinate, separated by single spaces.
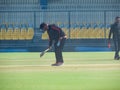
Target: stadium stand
pixel 87 20
pixel 16 33
pixel 107 30
pixel 3 32
pixel 30 32
pixel 84 31
pixel 9 32
pixel 45 36
pixel 23 32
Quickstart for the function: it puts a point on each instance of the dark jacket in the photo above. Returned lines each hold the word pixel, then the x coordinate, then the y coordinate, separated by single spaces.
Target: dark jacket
pixel 115 31
pixel 54 33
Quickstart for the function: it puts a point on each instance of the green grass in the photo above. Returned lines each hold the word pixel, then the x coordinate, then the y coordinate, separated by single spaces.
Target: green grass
pixel 81 71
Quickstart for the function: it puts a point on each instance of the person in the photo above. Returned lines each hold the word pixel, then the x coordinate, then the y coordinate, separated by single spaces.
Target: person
pixel 57 36
pixel 115 31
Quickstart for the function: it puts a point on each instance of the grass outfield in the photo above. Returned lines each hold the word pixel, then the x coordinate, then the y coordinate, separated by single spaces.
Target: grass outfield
pixel 81 71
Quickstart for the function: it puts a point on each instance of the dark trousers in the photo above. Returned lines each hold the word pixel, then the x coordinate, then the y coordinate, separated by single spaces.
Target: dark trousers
pixel 58 50
pixel 117 47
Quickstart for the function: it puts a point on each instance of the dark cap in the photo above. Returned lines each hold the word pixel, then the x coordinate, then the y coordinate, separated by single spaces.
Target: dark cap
pixel 42 25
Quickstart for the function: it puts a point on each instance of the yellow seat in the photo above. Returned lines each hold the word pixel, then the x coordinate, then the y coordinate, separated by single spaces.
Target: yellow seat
pixel 84 33
pixel 88 33
pixel 93 33
pixel 3 34
pixel 9 34
pixel 102 33
pixel 81 33
pixel 107 32
pixel 0 35
pixel 30 33
pixel 96 33
pixel 66 31
pixel 16 33
pixel 72 33
pixel 77 33
pixel 99 33
pixel 23 32
pixel 45 35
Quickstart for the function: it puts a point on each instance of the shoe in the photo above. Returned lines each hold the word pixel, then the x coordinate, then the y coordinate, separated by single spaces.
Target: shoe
pixel 58 64
pixel 116 58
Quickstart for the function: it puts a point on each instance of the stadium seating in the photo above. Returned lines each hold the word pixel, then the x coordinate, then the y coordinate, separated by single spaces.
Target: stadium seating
pixel 3 32
pixel 88 31
pixel 107 30
pixel 9 32
pixel 23 32
pixel 86 20
pixel 16 32
pixel 84 31
pixel 77 31
pixel 80 13
pixel 30 32
pixel 45 36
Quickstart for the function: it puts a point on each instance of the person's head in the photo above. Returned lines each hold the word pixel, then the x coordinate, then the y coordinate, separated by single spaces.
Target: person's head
pixel 43 27
pixel 117 19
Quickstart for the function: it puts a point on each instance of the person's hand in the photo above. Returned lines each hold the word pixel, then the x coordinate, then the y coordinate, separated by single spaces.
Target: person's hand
pixel 49 47
pixel 58 44
pixel 61 38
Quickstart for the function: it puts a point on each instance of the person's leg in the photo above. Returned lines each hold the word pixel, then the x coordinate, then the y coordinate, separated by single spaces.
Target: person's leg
pixel 119 47
pixel 59 58
pixel 62 43
pixel 116 44
pixel 58 52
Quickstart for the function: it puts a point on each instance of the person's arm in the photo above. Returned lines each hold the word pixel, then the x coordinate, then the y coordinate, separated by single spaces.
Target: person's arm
pixel 57 29
pixel 50 43
pixel 110 33
pixel 109 37
pixel 58 34
pixel 50 38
